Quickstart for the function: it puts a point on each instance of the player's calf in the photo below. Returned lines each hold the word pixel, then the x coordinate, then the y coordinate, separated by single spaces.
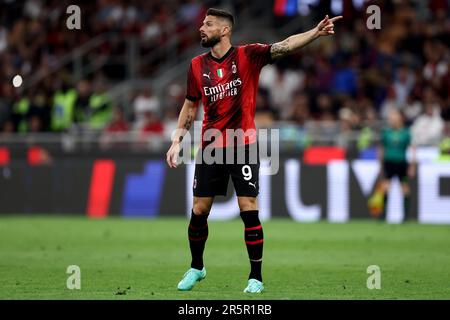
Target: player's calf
pixel 254 240
pixel 198 234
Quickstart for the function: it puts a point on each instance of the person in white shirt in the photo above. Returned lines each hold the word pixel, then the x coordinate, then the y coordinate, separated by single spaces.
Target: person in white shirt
pixel 142 104
pixel 427 129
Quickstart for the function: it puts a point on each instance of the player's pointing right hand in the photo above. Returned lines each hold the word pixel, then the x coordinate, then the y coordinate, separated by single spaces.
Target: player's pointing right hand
pixel 326 26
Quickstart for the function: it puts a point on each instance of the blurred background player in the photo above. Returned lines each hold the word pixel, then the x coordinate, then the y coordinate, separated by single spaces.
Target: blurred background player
pixel 394 144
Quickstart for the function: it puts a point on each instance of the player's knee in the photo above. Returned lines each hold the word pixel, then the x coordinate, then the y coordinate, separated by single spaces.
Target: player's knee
pixel 247 203
pixel 405 189
pixel 201 207
pixel 200 210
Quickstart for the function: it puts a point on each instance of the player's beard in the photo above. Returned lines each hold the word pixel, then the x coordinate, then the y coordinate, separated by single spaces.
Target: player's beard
pixel 210 42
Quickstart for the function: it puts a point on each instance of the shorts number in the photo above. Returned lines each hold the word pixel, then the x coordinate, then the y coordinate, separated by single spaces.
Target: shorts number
pixel 247 172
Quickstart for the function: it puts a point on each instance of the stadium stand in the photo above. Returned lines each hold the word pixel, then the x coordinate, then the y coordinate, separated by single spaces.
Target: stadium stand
pixel 128 63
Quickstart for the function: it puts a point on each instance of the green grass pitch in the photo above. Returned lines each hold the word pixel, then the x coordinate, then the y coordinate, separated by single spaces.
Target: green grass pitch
pixel 145 259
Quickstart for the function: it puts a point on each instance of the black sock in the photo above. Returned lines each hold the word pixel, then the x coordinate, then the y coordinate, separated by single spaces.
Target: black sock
pixel 254 239
pixel 198 233
pixel 383 213
pixel 406 206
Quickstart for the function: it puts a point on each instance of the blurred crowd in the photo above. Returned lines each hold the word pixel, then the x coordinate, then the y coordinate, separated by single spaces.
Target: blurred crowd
pixel 348 83
pixel 34 38
pixel 333 88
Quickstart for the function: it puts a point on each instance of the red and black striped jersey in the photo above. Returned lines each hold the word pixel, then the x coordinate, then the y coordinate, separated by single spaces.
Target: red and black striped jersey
pixel 227 88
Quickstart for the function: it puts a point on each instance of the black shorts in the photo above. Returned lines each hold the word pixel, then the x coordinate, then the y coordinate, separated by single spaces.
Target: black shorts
pixel 392 169
pixel 211 179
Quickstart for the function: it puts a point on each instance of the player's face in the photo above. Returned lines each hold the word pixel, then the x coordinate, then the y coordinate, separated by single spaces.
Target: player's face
pixel 210 32
pixel 395 119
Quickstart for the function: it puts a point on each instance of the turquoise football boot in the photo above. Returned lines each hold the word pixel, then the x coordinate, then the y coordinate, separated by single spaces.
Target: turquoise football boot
pixel 190 278
pixel 254 286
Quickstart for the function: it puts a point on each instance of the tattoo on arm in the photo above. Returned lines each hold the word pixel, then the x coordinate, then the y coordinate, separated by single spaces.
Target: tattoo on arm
pixel 185 120
pixel 279 49
pixel 188 123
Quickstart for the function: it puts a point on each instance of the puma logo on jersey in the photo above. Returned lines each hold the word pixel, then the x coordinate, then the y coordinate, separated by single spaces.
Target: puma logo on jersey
pixel 252 184
pixel 207 75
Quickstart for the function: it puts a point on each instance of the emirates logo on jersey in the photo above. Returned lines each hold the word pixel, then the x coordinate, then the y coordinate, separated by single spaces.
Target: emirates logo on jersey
pixel 223 90
pixel 220 72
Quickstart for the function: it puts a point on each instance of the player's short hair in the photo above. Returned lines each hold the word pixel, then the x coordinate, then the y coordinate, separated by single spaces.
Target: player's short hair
pixel 221 14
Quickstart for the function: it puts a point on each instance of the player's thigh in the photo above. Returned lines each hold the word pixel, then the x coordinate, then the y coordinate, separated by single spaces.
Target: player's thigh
pixel 245 179
pixel 202 205
pixel 389 170
pixel 402 171
pixel 245 171
pixel 210 180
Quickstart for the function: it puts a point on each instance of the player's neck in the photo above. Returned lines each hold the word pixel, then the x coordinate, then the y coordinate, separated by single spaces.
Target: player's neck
pixel 220 49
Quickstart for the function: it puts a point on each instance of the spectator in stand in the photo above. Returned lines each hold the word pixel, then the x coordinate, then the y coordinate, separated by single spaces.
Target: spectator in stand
pixel 300 110
pixel 3 38
pixel 324 106
pixel 7 128
pixel 412 110
pixel 437 65
pixel 115 130
pixel 265 115
pixel 118 122
pixel 82 101
pixel 40 109
pixel 175 95
pixel 345 129
pixel 152 125
pixel 151 133
pixel 63 107
pixel 325 74
pixel 145 102
pixel 445 112
pixel 6 102
pixel 170 122
pixel 403 85
pixel 100 106
pixel 393 67
pixel 389 104
pixel 34 124
pixel 344 80
pixel 281 84
pixel 427 129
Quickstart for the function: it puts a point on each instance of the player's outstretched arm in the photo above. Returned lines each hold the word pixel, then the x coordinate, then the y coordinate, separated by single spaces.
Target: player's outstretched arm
pixel 185 120
pixel 297 41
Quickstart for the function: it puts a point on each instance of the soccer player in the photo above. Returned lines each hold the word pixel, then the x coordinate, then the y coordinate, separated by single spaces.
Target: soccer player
pixel 225 80
pixel 395 141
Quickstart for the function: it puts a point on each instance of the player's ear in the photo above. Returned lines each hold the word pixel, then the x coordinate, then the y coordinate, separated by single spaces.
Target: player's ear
pixel 226 30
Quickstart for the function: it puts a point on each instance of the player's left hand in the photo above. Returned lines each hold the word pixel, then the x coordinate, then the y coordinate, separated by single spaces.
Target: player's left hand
pixel 326 26
pixel 172 155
